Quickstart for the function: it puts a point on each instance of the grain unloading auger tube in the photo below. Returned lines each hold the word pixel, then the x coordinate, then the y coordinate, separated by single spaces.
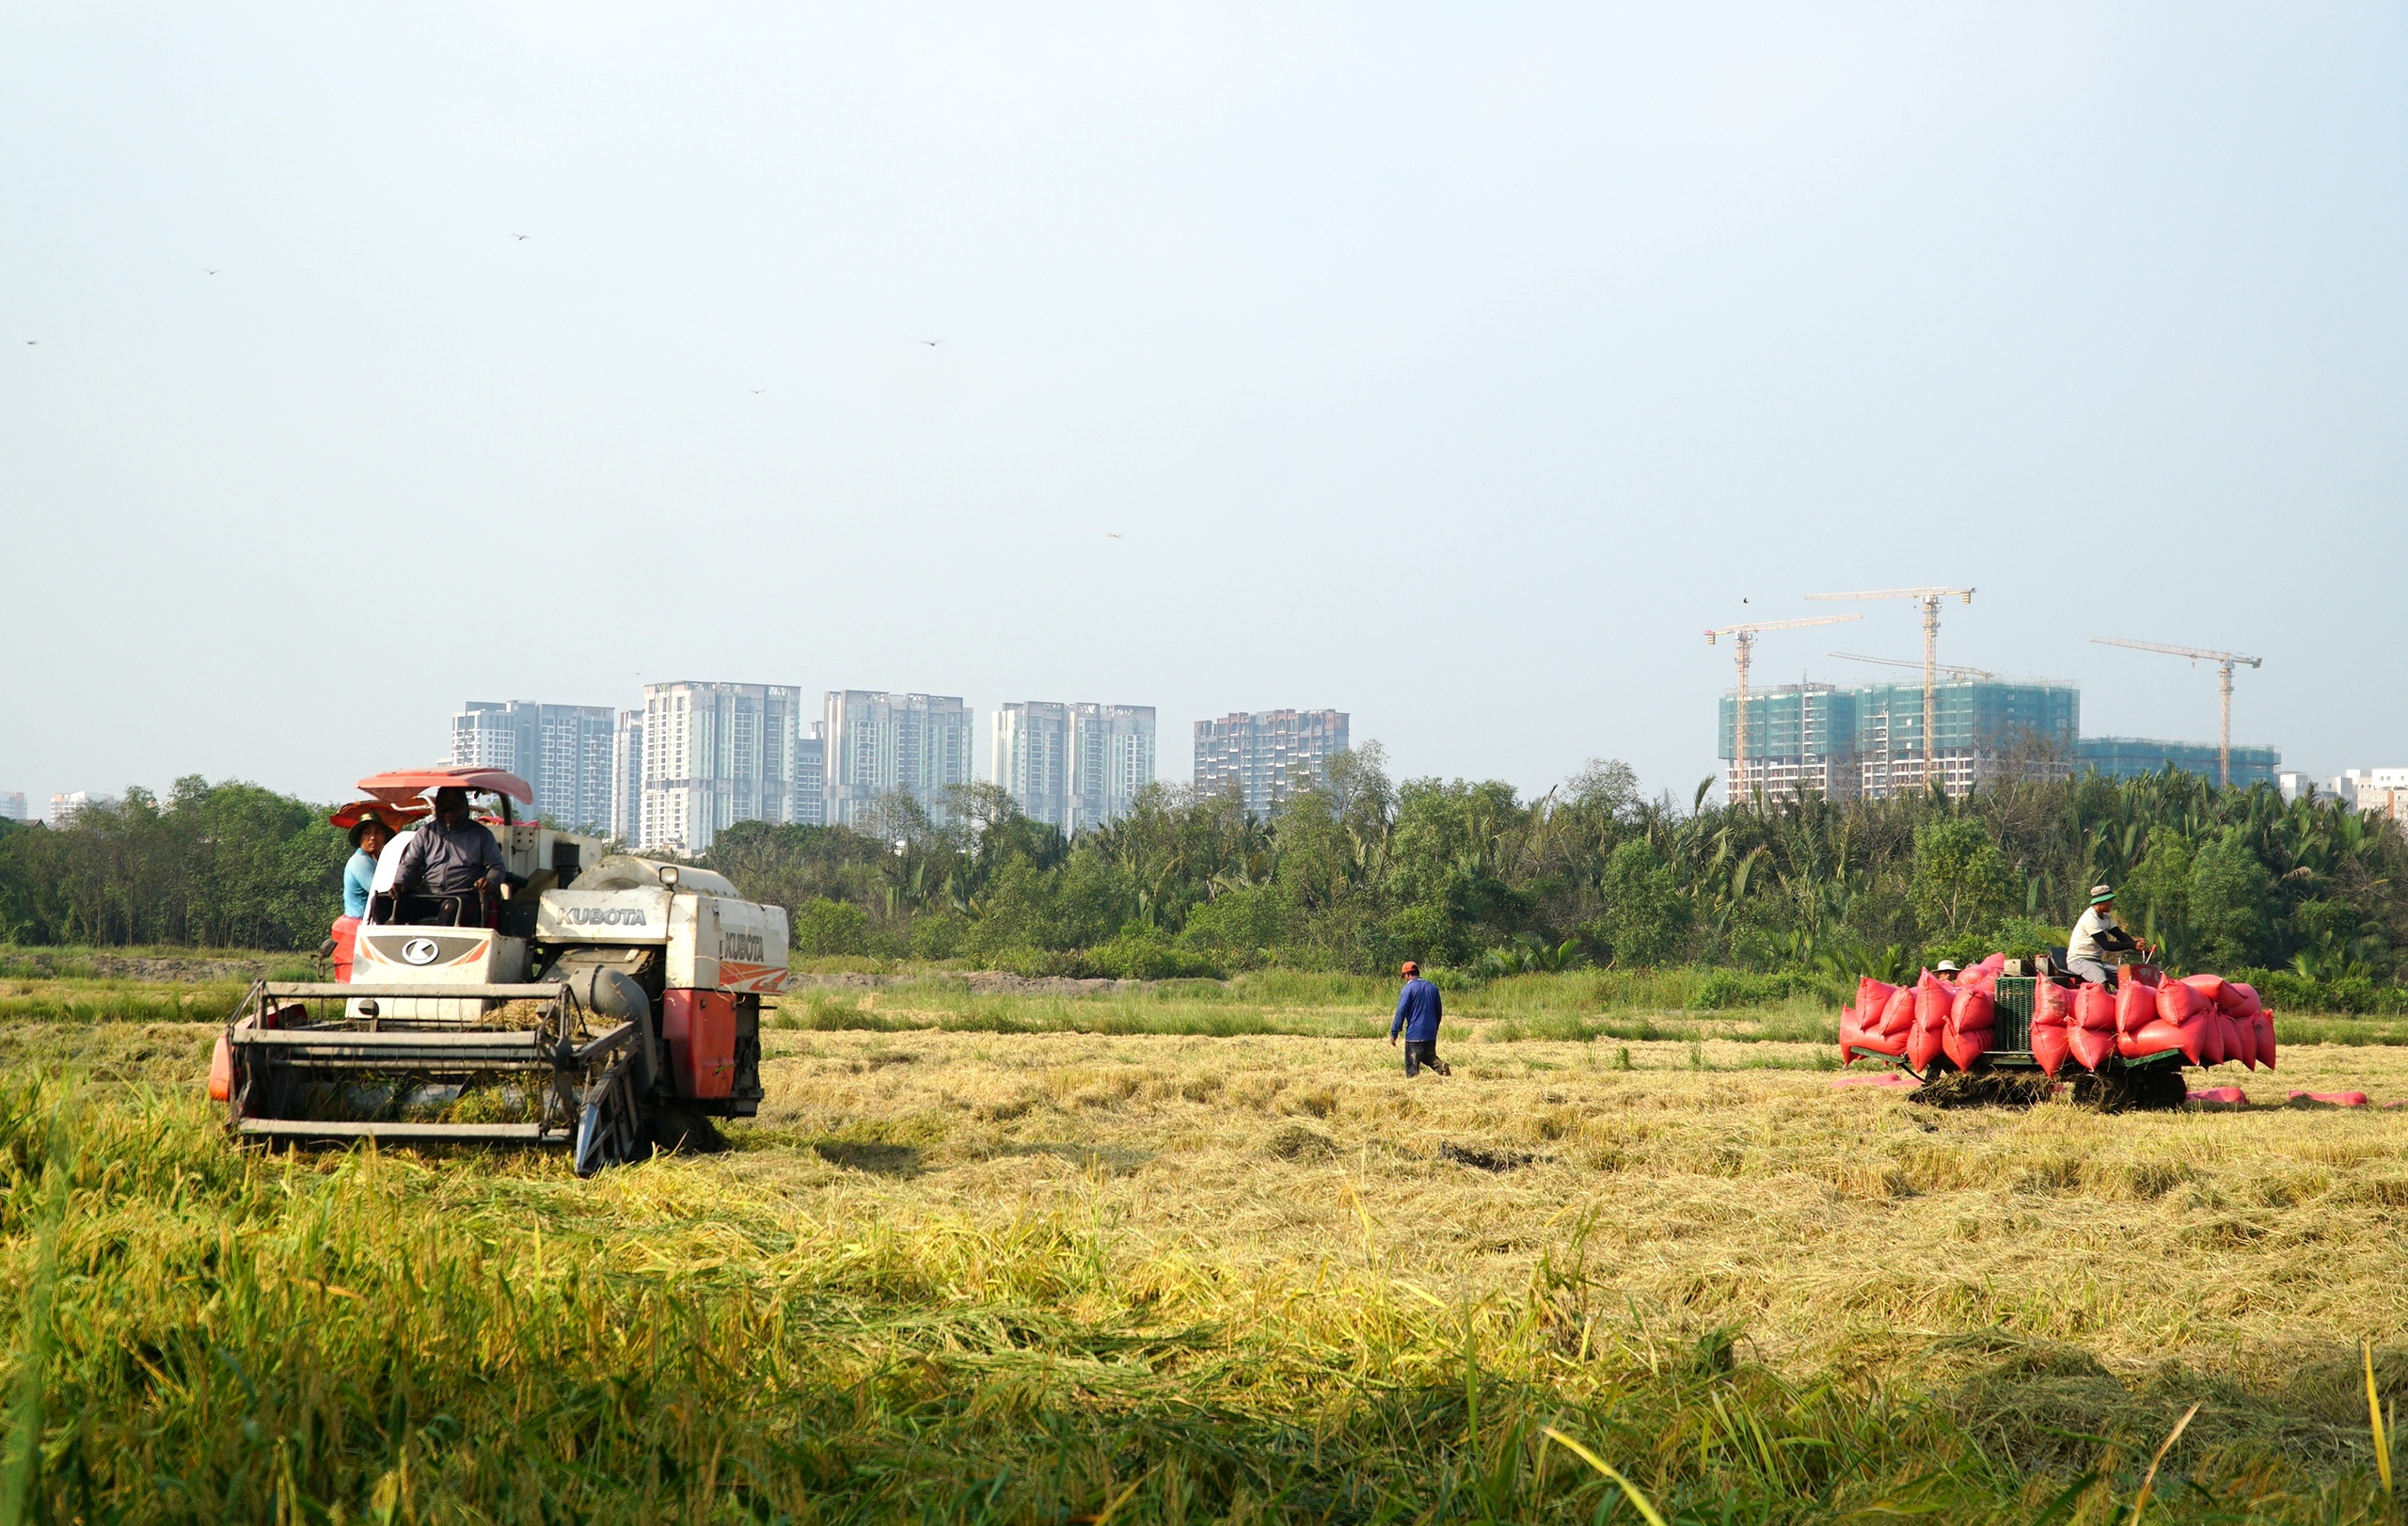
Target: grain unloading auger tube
pixel 538 1069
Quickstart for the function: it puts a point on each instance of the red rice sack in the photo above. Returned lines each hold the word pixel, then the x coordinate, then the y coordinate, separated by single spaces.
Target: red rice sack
pixel 2264 1023
pixel 1881 1043
pixel 2136 1007
pixel 1898 1017
pixel 1965 1045
pixel 2049 1016
pixel 2090 1046
pixel 2094 1008
pixel 2157 1036
pixel 2179 1001
pixel 1987 970
pixel 2241 1040
pixel 2210 986
pixel 1873 999
pixel 1971 1020
pixel 1923 1046
pixel 2239 999
pixel 2212 1049
pixel 2049 1047
pixel 1935 999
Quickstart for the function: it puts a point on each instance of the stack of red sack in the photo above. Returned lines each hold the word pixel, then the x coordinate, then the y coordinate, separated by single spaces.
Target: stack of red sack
pixel 2209 1018
pixel 1932 1017
pixel 1878 1022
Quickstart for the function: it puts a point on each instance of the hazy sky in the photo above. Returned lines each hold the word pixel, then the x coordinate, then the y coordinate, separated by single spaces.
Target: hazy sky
pixel 1452 366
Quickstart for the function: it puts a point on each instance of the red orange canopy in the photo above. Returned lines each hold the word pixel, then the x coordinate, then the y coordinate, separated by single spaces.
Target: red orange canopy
pixel 395 816
pixel 403 786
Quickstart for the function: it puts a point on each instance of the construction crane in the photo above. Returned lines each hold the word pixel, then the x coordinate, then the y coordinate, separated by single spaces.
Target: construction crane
pixel 2225 662
pixel 1928 599
pixel 1954 672
pixel 1744 638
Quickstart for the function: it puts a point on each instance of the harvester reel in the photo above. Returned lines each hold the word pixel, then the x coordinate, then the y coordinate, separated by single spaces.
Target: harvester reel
pixel 610 1130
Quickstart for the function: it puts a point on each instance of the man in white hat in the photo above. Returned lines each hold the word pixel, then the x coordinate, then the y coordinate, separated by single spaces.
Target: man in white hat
pixel 2096 937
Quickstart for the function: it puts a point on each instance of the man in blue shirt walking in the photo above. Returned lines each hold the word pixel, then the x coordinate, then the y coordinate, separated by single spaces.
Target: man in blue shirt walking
pixel 1417 1018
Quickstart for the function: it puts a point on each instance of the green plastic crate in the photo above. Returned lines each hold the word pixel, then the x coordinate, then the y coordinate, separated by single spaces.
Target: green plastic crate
pixel 2014 998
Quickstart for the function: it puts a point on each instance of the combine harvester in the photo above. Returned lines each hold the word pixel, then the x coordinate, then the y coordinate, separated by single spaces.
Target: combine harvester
pixel 2123 1045
pixel 598 1001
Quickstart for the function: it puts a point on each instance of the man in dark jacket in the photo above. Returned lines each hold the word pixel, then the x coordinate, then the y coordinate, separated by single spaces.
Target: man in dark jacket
pixel 1417 1018
pixel 451 855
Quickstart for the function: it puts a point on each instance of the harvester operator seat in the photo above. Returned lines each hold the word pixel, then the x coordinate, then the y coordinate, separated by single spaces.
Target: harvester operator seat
pixel 468 909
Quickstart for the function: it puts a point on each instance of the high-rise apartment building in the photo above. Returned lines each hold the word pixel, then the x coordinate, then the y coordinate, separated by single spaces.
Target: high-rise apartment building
pixel 1267 755
pixel 714 755
pixel 879 743
pixel 626 777
pixel 12 805
pixel 1112 759
pixel 1075 766
pixel 811 777
pixel 564 751
pixel 1031 758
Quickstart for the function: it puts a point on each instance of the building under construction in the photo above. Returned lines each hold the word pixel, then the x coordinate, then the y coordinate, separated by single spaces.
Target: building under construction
pixel 1866 742
pixel 2126 757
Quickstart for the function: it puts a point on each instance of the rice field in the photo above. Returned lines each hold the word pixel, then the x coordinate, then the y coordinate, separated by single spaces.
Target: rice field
pixel 973 1264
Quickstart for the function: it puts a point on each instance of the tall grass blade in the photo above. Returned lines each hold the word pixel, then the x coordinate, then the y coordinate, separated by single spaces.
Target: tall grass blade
pixel 1630 1491
pixel 2374 1420
pixel 23 1441
pixel 2148 1480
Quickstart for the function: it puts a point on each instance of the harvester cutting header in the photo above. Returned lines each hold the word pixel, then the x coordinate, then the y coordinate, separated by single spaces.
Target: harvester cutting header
pixel 508 982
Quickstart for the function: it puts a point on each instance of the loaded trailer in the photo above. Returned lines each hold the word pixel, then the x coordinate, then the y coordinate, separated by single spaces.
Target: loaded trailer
pixel 2121 1045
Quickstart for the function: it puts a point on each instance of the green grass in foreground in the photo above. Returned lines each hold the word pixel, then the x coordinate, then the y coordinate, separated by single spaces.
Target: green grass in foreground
pixel 199 1332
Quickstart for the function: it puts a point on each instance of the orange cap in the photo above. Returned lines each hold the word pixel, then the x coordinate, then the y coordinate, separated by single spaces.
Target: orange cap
pixel 1411 968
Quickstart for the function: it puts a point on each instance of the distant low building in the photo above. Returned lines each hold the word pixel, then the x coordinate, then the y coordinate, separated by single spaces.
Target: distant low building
pixel 1266 756
pixel 2376 791
pixel 65 808
pixel 2129 757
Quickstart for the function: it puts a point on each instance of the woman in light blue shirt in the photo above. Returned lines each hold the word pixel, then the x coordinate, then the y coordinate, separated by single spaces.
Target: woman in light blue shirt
pixel 370 836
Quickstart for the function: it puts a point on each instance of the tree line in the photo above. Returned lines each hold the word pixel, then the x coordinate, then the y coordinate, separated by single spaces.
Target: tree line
pixel 1358 871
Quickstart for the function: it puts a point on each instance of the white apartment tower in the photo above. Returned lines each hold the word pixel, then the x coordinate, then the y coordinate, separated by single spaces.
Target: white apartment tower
pixel 1266 755
pixel 878 743
pixel 811 777
pixel 1032 759
pixel 626 778
pixel 714 755
pixel 562 751
pixel 1112 759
